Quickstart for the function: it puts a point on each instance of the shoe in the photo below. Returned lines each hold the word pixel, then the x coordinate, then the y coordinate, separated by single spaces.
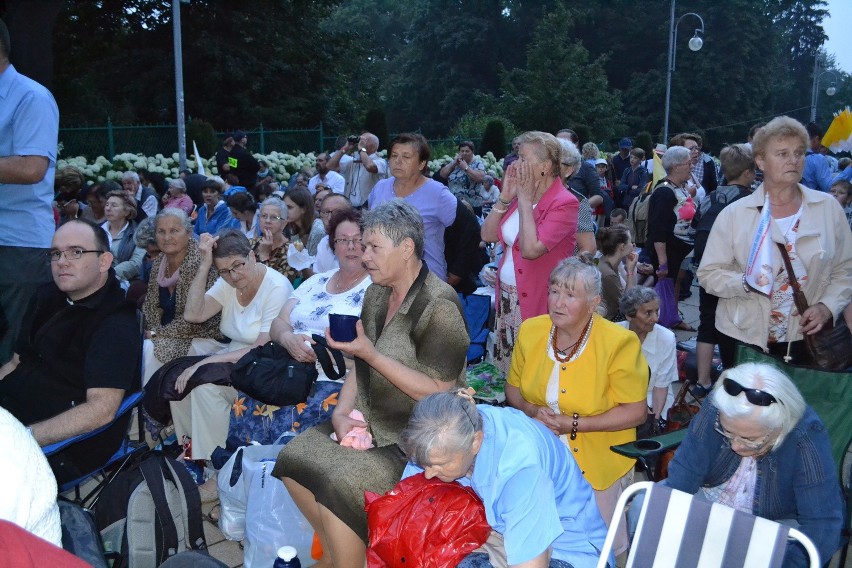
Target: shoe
pixel 700 391
pixel 213 516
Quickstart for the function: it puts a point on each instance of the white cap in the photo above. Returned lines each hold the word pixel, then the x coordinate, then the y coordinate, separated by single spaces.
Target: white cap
pixel 601 162
pixel 287 553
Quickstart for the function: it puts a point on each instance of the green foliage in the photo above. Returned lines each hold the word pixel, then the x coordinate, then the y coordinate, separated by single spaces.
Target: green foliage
pixel 472 126
pixel 202 133
pixel 494 139
pixel 376 123
pixel 645 141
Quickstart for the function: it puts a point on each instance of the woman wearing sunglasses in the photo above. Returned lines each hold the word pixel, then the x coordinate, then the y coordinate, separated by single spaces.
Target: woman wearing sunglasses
pixel 757 447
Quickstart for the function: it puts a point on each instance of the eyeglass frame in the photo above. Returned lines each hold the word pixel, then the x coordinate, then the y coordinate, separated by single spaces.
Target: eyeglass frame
pixel 354 242
pixel 56 255
pixel 756 397
pixel 732 438
pixel 234 268
pixel 271 218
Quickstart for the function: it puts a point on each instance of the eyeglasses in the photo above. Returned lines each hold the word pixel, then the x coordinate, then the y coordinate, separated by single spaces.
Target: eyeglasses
pixel 327 213
pixel 355 243
pixel 70 254
pixel 230 271
pixel 744 442
pixel 754 396
pixel 271 218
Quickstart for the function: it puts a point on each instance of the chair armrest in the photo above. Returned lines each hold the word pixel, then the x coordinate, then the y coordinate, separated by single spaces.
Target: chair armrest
pixel 651 446
pixel 126 406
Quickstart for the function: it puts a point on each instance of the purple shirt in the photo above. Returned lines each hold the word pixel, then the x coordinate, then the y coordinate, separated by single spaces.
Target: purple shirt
pixel 436 205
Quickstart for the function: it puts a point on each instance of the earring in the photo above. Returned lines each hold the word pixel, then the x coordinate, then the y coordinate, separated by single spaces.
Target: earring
pixel 542 174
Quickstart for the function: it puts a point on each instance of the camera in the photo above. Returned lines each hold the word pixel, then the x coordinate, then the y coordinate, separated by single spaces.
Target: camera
pixel 353 138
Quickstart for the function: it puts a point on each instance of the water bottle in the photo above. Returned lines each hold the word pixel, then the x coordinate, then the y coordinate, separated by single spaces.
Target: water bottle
pixel 287 558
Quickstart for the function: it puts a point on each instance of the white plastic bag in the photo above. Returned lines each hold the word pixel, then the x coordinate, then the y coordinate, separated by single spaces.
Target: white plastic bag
pixel 299 259
pixel 232 499
pixel 273 520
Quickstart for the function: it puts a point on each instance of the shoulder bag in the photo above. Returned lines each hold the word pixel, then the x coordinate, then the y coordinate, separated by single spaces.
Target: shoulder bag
pixel 270 375
pixel 831 348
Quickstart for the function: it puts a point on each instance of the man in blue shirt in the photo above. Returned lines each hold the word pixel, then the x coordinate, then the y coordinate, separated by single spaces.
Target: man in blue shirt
pixel 817 174
pixel 29 129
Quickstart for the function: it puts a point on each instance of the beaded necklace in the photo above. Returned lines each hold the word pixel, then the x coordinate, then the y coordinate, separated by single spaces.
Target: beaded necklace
pixel 554 338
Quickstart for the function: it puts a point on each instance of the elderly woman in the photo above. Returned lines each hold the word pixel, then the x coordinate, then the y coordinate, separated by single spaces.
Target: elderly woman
pixel 757 447
pixel 533 491
pixel 670 212
pixel 167 334
pixel 303 225
pixel 616 246
pixel 570 162
pixel 407 158
pixel 244 209
pixel 248 296
pixel 585 379
pixel 270 248
pixel 120 212
pixel 703 177
pixel 96 201
pixel 176 197
pixel 213 215
pixel 411 342
pixel 535 220
pixel 464 175
pixel 641 307
pixel 743 266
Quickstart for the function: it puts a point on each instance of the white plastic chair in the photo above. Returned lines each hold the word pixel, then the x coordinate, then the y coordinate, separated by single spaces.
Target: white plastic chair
pixel 677 530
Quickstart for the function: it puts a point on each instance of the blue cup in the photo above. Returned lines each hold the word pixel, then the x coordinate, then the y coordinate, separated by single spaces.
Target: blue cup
pixel 342 327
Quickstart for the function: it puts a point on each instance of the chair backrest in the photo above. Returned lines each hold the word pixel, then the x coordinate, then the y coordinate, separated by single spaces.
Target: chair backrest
pixel 678 529
pixel 477 312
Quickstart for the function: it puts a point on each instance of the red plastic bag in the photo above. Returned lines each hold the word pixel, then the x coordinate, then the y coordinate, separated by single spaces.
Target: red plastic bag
pixel 424 522
pixel 669 315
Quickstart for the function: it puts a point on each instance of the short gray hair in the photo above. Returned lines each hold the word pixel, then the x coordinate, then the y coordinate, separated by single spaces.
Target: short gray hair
pixel 397 220
pixel 273 201
pixel 232 242
pixel 442 420
pixel 130 175
pixel 675 156
pixel 571 269
pixel 179 183
pixel 781 416
pixel 635 297
pixel 570 155
pixel 179 214
pixel 145 233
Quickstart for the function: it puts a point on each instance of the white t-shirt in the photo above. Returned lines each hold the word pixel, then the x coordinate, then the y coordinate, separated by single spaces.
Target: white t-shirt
pixel 332 179
pixel 315 302
pixel 360 182
pixel 243 324
pixel 325 259
pixel 660 350
pixel 510 230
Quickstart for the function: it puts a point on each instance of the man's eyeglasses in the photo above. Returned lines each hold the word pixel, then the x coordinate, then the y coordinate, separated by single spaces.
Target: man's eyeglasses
pixel 230 271
pixel 70 254
pixel 754 396
pixel 271 218
pixel 327 213
pixel 744 442
pixel 355 243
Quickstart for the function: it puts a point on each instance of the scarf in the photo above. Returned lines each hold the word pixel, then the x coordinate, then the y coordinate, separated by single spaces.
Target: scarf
pixel 164 282
pixel 758 272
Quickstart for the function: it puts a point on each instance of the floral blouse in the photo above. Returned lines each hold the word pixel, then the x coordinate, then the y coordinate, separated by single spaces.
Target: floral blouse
pixel 277 260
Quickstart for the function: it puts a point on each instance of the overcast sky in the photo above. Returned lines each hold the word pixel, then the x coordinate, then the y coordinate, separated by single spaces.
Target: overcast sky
pixel 838 27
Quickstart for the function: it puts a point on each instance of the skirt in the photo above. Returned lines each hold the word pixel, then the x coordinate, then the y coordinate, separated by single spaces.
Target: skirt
pixel 507 323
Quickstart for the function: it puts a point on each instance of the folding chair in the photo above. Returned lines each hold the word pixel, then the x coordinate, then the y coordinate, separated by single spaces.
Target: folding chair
pixel 678 530
pixel 477 314
pixel 645 450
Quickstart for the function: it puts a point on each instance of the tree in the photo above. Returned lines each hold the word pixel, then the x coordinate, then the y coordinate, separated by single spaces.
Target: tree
pixel 494 139
pixel 376 123
pixel 31 35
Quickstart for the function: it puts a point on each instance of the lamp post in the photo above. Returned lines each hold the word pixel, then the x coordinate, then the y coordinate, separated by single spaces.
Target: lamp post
pixel 181 122
pixel 832 88
pixel 695 43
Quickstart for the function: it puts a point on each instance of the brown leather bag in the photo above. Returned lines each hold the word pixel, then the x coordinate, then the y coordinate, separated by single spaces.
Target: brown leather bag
pixel 831 347
pixel 679 416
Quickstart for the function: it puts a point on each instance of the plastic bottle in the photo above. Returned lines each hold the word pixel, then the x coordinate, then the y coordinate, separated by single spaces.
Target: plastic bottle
pixel 287 558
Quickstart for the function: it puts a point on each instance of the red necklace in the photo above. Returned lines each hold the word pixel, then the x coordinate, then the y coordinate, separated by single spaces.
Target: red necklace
pixel 554 338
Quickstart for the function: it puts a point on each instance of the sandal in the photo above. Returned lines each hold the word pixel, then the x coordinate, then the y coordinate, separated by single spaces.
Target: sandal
pixel 211 518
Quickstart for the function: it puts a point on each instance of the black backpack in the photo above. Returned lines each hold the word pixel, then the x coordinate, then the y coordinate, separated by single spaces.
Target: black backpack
pixel 702 223
pixel 150 513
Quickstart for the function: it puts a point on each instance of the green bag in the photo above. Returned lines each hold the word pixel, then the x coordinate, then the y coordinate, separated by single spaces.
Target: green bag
pixel 829 393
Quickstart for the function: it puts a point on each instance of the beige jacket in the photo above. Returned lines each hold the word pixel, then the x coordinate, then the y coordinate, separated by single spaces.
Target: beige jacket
pixel 824 245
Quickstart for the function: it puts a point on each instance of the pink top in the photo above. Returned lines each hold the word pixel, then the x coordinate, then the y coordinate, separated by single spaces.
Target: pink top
pixel 183 202
pixel 556 227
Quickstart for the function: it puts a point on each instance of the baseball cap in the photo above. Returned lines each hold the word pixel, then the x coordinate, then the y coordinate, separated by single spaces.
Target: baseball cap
pixel 601 161
pixel 625 143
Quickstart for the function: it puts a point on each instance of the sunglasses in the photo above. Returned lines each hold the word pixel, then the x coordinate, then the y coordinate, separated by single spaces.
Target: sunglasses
pixel 754 396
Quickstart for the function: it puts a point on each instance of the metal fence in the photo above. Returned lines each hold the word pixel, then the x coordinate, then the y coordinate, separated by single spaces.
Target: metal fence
pixel 149 140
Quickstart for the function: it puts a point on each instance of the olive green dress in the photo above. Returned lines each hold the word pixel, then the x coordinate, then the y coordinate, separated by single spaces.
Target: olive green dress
pixel 427 334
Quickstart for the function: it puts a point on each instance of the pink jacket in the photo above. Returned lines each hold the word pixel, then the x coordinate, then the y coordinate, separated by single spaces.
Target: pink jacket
pixel 183 202
pixel 556 227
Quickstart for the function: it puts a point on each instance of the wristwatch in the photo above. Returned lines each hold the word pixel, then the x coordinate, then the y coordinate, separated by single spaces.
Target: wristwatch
pixel 362 150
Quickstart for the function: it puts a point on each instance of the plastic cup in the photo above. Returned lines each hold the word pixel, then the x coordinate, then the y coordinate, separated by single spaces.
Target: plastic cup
pixel 342 327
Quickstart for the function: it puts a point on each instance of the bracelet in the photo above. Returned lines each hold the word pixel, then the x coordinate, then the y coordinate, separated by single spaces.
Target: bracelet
pixel 498 210
pixel 663 267
pixel 576 418
pixel 745 285
pixel 506 203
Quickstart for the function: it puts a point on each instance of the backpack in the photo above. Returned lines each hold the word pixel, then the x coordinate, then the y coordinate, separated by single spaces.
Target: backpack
pixel 702 223
pixel 637 216
pixel 150 513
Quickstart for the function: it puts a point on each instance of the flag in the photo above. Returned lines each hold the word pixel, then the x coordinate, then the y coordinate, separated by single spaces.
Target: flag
pixel 758 273
pixel 198 158
pixel 659 171
pixel 838 137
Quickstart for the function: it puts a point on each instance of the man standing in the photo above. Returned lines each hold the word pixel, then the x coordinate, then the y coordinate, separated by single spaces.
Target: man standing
pixel 817 174
pixel 325 259
pixel 222 155
pixel 29 130
pixel 242 163
pixel 360 166
pixel 147 203
pixel 621 161
pixel 330 179
pixel 77 355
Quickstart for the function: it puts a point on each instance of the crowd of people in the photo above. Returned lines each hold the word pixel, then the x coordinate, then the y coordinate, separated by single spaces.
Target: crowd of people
pixel 570 246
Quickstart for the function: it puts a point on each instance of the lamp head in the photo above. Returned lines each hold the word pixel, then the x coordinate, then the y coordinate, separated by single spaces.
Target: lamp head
pixel 831 90
pixel 695 43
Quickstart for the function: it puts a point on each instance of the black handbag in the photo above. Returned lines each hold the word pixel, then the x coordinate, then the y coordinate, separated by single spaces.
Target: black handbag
pixel 269 373
pixel 830 348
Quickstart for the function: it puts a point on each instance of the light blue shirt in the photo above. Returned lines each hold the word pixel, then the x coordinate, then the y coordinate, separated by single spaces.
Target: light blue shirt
pixel 533 491
pixel 29 126
pixel 817 174
pixel 845 174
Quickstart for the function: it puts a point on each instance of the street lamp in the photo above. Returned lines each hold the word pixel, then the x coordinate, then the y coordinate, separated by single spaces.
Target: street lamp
pixel 695 43
pixel 179 100
pixel 830 91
